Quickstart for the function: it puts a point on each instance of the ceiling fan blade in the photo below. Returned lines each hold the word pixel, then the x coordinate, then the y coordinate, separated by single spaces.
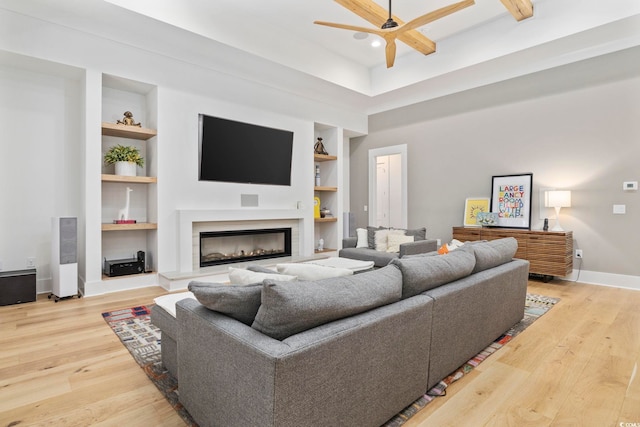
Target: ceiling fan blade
pixel 390 51
pixel 435 15
pixel 350 27
pixel 367 10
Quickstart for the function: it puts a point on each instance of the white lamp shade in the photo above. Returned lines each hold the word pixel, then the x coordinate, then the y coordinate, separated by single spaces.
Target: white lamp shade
pixel 558 199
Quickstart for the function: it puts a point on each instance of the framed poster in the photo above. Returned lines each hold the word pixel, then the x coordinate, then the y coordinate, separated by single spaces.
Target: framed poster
pixel 511 199
pixel 472 207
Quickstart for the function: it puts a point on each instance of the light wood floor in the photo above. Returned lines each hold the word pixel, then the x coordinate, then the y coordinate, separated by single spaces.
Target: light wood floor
pixel 61 365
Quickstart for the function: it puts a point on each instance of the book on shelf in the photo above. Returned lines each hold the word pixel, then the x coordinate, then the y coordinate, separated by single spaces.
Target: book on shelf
pixel 124 221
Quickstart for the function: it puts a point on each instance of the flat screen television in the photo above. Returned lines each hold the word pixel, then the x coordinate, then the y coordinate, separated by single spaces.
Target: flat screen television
pixel 239 152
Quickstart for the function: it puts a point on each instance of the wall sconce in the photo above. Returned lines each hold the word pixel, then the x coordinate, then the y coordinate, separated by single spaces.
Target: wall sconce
pixel 557 199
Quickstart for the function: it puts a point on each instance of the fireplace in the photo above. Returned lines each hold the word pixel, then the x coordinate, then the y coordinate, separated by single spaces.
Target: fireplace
pixel 225 247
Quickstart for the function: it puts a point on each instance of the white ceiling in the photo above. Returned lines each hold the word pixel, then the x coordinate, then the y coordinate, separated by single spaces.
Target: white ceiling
pixel 275 42
pixel 261 27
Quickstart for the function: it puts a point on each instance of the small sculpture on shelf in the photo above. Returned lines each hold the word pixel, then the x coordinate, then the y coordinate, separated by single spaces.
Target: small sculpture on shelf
pixel 128 120
pixel 318 148
pixel 123 214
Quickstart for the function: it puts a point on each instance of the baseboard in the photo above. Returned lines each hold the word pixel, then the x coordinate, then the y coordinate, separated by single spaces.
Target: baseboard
pixel 605 279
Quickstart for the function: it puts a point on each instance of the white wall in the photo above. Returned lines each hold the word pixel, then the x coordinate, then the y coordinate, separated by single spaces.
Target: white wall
pixel 51 162
pixel 40 119
pixel 178 185
pixel 575 133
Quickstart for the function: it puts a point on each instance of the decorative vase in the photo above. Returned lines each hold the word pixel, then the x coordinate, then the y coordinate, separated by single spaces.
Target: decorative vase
pixel 126 168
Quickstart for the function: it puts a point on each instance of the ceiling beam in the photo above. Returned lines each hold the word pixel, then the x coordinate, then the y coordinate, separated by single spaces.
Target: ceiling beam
pixel 520 9
pixel 377 15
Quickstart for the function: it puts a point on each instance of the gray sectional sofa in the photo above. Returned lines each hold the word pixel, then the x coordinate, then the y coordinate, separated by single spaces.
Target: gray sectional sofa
pixel 352 350
pixel 351 247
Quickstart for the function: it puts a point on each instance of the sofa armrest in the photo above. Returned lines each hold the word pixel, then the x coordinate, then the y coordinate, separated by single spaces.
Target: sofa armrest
pixel 349 242
pixel 418 247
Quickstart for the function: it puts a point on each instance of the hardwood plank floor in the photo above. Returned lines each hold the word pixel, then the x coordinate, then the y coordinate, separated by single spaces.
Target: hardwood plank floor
pixel 60 364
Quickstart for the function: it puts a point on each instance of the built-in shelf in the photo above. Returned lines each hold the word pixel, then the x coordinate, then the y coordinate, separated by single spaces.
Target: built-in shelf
pixel 129 227
pixel 325 250
pixel 127 276
pixel 331 219
pixel 129 179
pixel 125 131
pixel 324 157
pixel 325 188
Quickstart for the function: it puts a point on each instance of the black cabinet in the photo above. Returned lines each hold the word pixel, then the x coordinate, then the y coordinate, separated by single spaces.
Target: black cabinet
pixel 17 286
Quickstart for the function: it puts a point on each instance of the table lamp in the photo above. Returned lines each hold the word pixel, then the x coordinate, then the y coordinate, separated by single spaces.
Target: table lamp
pixel 558 199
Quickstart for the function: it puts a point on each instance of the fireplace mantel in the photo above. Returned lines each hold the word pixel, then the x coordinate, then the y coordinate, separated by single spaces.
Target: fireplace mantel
pixel 186 218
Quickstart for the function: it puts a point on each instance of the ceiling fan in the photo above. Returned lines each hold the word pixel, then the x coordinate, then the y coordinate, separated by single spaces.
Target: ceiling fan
pixel 392 27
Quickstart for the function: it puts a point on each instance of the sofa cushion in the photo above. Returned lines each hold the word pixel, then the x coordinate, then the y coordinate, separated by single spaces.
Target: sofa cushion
pixel 240 302
pixel 417 233
pixel 305 271
pixel 288 308
pixel 380 259
pixel 421 273
pixel 261 269
pixel 492 253
pixel 240 276
pixel 395 240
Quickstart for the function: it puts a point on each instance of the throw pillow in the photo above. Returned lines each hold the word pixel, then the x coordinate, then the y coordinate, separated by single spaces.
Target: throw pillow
pixel 381 238
pixel 289 308
pixel 240 276
pixel 419 274
pixel 448 247
pixel 240 302
pixel 371 236
pixel 363 241
pixel 395 240
pixel 305 271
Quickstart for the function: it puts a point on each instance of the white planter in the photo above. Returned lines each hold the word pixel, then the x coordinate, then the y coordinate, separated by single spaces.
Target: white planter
pixel 126 168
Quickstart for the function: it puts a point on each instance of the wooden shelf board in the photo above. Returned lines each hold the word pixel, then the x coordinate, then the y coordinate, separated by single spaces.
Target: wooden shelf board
pixel 124 131
pixel 131 179
pixel 105 277
pixel 331 219
pixel 324 157
pixel 324 188
pixel 127 227
pixel 325 250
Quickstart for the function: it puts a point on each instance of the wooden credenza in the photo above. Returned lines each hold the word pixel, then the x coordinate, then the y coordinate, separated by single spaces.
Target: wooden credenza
pixel 550 253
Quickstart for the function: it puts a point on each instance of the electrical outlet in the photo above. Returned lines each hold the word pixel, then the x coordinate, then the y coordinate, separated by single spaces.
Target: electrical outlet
pixel 578 253
pixel 31 262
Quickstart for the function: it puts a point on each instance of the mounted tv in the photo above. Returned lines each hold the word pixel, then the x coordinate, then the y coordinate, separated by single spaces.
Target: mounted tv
pixel 239 152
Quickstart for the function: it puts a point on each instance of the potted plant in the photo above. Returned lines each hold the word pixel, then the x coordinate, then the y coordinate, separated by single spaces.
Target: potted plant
pixel 125 158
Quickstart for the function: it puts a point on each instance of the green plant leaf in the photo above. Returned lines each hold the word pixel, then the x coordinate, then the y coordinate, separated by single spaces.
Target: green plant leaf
pixel 123 153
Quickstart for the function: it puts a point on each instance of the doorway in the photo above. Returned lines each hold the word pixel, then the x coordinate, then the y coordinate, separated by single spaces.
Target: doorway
pixel 388 186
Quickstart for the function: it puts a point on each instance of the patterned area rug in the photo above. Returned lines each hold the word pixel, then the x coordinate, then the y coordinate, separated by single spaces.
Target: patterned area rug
pixel 142 339
pixel 134 328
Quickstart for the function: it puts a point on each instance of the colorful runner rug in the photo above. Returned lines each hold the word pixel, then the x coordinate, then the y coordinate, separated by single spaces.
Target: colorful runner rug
pixel 142 339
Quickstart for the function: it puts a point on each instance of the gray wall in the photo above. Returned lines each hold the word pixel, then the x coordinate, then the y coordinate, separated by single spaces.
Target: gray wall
pixel 576 127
